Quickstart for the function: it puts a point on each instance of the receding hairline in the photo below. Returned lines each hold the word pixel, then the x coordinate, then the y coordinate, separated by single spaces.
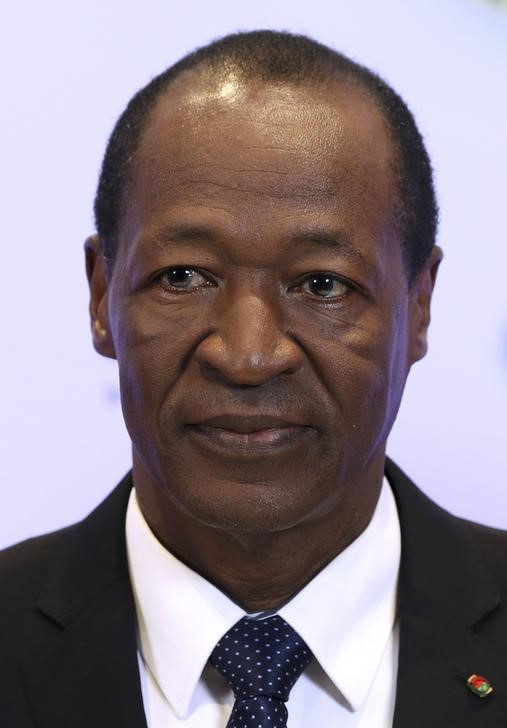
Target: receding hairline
pixel 209 80
pixel 212 79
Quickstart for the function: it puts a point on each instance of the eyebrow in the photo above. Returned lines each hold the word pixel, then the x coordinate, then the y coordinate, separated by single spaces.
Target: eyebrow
pixel 331 241
pixel 318 239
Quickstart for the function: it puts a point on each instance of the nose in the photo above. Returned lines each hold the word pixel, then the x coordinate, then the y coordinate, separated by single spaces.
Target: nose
pixel 248 345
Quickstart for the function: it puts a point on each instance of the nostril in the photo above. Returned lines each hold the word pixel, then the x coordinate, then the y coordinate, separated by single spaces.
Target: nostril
pixel 248 351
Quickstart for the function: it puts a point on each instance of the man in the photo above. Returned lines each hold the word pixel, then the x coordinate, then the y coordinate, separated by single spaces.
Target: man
pixel 262 272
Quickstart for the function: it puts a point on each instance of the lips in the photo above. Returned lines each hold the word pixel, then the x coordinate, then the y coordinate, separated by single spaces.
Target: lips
pixel 248 423
pixel 250 431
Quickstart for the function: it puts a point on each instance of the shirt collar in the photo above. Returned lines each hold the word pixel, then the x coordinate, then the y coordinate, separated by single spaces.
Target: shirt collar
pixel 345 613
pixel 181 616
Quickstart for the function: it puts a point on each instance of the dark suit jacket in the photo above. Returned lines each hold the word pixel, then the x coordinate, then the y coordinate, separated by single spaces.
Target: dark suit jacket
pixel 68 625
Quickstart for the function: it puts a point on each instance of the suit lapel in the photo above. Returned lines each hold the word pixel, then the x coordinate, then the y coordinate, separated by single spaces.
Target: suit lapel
pixel 445 593
pixel 437 655
pixel 87 675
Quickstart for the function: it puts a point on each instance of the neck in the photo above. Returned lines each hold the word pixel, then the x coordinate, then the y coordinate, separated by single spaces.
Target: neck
pixel 257 570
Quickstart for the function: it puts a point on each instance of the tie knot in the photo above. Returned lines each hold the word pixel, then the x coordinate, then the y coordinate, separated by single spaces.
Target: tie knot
pixel 261 657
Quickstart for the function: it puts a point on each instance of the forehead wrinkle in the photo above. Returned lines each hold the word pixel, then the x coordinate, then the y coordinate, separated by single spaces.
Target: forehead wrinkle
pixel 325 185
pixel 318 177
pixel 305 240
pixel 321 189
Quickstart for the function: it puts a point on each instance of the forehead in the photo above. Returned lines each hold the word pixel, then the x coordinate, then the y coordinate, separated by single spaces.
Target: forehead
pixel 254 149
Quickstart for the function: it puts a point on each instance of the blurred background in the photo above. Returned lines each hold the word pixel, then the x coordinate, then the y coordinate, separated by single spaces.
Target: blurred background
pixel 68 70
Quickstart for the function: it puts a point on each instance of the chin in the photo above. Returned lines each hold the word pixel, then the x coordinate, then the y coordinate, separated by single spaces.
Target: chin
pixel 258 507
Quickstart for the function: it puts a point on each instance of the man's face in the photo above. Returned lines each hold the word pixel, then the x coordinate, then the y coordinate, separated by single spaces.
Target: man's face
pixel 259 307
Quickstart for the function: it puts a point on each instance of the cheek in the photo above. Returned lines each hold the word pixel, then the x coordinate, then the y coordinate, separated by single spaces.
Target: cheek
pixel 153 347
pixel 360 358
pixel 378 372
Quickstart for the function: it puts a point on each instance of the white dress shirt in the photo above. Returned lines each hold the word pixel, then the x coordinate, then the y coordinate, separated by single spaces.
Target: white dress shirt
pixel 346 614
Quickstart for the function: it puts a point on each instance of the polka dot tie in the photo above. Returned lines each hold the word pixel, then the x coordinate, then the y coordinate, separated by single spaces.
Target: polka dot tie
pixel 261 659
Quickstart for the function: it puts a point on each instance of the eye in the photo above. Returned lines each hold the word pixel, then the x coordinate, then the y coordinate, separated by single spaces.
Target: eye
pixel 182 278
pixel 324 285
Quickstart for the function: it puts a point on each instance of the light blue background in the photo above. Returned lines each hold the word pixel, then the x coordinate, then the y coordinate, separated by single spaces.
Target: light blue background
pixel 67 71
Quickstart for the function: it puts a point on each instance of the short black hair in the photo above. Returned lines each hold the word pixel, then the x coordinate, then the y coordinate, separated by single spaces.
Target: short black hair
pixel 281 57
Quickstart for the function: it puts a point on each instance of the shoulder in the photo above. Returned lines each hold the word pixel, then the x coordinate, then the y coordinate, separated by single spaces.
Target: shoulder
pixel 23 567
pixel 24 571
pixel 63 595
pixel 79 555
pixel 449 561
pixel 490 544
pixel 424 515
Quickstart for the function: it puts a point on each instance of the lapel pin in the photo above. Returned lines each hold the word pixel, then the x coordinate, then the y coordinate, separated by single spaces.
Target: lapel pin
pixel 479 685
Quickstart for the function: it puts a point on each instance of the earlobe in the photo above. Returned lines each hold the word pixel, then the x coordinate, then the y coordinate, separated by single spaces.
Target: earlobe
pixel 99 288
pixel 98 330
pixel 421 293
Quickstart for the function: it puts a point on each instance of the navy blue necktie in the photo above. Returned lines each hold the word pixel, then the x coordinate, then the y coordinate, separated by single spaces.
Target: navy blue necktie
pixel 261 659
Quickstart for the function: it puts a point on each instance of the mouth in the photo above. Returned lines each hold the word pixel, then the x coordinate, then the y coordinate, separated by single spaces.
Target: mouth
pixel 250 432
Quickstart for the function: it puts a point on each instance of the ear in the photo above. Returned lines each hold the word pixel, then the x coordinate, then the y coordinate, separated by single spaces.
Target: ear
pixel 420 294
pixel 96 272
